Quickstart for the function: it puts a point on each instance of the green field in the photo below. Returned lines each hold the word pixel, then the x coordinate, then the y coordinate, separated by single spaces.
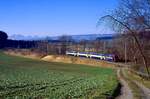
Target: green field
pixel 23 78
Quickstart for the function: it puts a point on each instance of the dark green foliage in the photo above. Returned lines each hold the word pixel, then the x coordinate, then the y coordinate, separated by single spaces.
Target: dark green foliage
pixel 3 39
pixel 3 36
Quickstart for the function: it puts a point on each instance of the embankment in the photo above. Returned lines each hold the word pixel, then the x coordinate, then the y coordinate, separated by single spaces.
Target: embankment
pixel 77 60
pixel 60 58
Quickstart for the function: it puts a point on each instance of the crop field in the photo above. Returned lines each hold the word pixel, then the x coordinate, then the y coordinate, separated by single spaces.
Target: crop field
pixel 23 78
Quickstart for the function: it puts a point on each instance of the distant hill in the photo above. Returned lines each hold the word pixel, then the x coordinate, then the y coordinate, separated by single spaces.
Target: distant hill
pixel 75 37
pixel 22 37
pixel 88 37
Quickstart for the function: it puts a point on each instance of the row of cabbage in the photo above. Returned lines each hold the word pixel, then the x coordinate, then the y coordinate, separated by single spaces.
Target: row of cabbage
pixel 54 85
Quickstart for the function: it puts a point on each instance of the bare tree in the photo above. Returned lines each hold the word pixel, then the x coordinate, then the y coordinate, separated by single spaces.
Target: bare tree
pixel 132 16
pixel 97 45
pixel 65 42
pixel 83 44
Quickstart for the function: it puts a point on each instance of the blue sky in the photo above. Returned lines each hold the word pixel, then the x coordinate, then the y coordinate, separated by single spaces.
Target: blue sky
pixel 53 17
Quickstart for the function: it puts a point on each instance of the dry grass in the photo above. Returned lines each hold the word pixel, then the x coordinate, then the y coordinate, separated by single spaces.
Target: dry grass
pixel 24 53
pixel 145 82
pixel 77 60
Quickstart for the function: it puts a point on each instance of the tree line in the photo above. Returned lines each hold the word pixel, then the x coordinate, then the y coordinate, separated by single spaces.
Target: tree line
pixel 8 43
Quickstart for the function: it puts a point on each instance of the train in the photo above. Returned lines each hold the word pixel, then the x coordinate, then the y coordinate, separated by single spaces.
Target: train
pixel 105 57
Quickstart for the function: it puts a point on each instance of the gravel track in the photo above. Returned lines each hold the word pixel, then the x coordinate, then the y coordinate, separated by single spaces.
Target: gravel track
pixel 126 92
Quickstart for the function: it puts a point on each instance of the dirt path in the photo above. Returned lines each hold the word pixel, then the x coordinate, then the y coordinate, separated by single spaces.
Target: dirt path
pixel 126 92
pixel 144 92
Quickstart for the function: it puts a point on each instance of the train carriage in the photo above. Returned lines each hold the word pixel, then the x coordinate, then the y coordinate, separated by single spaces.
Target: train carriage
pixel 107 57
